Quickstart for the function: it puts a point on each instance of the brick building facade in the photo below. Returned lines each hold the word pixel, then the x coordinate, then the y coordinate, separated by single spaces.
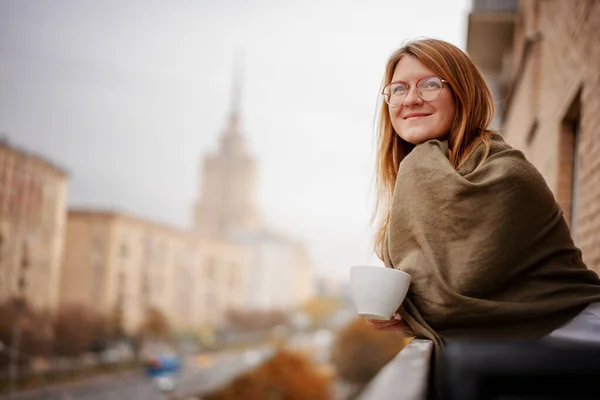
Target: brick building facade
pixel 546 80
pixel 33 209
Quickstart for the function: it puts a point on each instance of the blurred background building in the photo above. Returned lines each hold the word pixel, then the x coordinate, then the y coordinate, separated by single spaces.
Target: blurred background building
pixel 227 191
pixel 541 60
pixel 118 264
pixel 280 274
pixel 33 198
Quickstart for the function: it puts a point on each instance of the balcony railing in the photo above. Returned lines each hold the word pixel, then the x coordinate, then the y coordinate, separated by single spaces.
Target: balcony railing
pixel 405 377
pixel 474 370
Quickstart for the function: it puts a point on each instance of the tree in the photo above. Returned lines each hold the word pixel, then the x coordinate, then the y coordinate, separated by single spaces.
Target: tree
pixel 37 334
pixel 287 376
pixel 359 352
pixel 104 332
pixel 249 320
pixel 35 326
pixel 321 308
pixel 155 325
pixel 116 322
pixel 73 330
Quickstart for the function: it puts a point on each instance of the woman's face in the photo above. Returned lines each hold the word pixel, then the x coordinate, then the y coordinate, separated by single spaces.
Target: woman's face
pixel 417 120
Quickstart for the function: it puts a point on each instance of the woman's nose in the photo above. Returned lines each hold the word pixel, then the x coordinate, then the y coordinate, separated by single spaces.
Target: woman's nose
pixel 412 97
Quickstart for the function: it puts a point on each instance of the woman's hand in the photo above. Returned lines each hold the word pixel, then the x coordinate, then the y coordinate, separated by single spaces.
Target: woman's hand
pixel 394 324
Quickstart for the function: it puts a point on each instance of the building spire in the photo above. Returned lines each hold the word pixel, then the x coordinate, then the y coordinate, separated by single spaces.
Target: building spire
pixel 236 93
pixel 232 141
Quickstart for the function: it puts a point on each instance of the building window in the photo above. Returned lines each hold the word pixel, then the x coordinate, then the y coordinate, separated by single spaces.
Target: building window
pixel 124 250
pixel 3 179
pixel 533 131
pixel 574 211
pixel 1 248
pixel 234 275
pixel 570 164
pixel 210 269
pixel 211 300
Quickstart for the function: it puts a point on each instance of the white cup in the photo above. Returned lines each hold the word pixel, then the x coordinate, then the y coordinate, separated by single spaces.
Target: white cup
pixel 378 292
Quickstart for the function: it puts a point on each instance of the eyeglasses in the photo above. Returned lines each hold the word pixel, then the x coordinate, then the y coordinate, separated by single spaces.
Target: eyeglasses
pixel 428 88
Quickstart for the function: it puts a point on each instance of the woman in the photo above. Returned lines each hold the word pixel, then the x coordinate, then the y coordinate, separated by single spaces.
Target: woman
pixel 467 216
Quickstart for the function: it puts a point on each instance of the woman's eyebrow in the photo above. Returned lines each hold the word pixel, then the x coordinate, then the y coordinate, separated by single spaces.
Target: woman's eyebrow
pixel 420 76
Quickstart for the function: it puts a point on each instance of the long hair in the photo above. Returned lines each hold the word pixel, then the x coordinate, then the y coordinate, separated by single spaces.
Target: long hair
pixel 474 113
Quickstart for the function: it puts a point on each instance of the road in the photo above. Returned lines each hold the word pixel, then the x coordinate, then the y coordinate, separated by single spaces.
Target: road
pixel 201 375
pixel 126 386
pixel 209 377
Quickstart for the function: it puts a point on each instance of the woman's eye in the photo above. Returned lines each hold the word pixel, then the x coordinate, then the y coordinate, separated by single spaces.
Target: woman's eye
pixel 399 89
pixel 432 84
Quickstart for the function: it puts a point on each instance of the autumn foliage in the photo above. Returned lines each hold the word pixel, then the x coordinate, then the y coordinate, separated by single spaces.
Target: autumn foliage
pixel 359 352
pixel 321 308
pixel 287 376
pixel 155 325
pixel 72 331
pixel 37 333
pixel 255 320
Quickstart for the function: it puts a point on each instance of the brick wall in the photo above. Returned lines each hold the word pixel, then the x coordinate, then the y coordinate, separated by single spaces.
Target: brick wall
pixel 556 91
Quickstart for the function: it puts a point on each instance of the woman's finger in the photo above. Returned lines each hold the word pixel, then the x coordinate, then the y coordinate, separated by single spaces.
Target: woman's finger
pixel 390 325
pixel 398 326
pixel 379 324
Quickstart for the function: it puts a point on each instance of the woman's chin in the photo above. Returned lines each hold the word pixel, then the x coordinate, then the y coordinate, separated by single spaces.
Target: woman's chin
pixel 417 137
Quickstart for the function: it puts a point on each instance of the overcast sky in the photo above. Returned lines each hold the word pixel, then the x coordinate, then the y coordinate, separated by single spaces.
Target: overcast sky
pixel 128 95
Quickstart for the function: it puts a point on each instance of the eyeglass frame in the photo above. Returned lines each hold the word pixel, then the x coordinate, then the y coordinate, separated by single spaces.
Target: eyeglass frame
pixel 407 85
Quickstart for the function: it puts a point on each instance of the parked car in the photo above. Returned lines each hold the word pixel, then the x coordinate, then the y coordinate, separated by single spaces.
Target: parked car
pixel 162 365
pixel 164 370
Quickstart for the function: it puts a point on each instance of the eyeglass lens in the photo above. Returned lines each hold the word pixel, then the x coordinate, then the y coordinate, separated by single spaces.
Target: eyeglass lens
pixel 428 89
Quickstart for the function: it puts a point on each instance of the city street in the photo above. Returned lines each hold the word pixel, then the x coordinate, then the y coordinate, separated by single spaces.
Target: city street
pixel 126 386
pixel 201 374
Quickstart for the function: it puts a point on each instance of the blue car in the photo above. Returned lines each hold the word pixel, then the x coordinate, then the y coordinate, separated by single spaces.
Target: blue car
pixel 164 365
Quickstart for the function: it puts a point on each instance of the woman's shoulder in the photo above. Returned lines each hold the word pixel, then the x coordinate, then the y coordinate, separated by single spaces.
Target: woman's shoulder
pixel 499 143
pixel 498 140
pixel 503 153
pixel 511 167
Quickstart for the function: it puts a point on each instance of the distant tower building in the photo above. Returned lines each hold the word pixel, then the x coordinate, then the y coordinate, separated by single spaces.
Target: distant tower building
pixel 279 274
pixel 227 196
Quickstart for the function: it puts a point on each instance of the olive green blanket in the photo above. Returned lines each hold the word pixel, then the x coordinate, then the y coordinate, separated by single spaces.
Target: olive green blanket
pixel 488 248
